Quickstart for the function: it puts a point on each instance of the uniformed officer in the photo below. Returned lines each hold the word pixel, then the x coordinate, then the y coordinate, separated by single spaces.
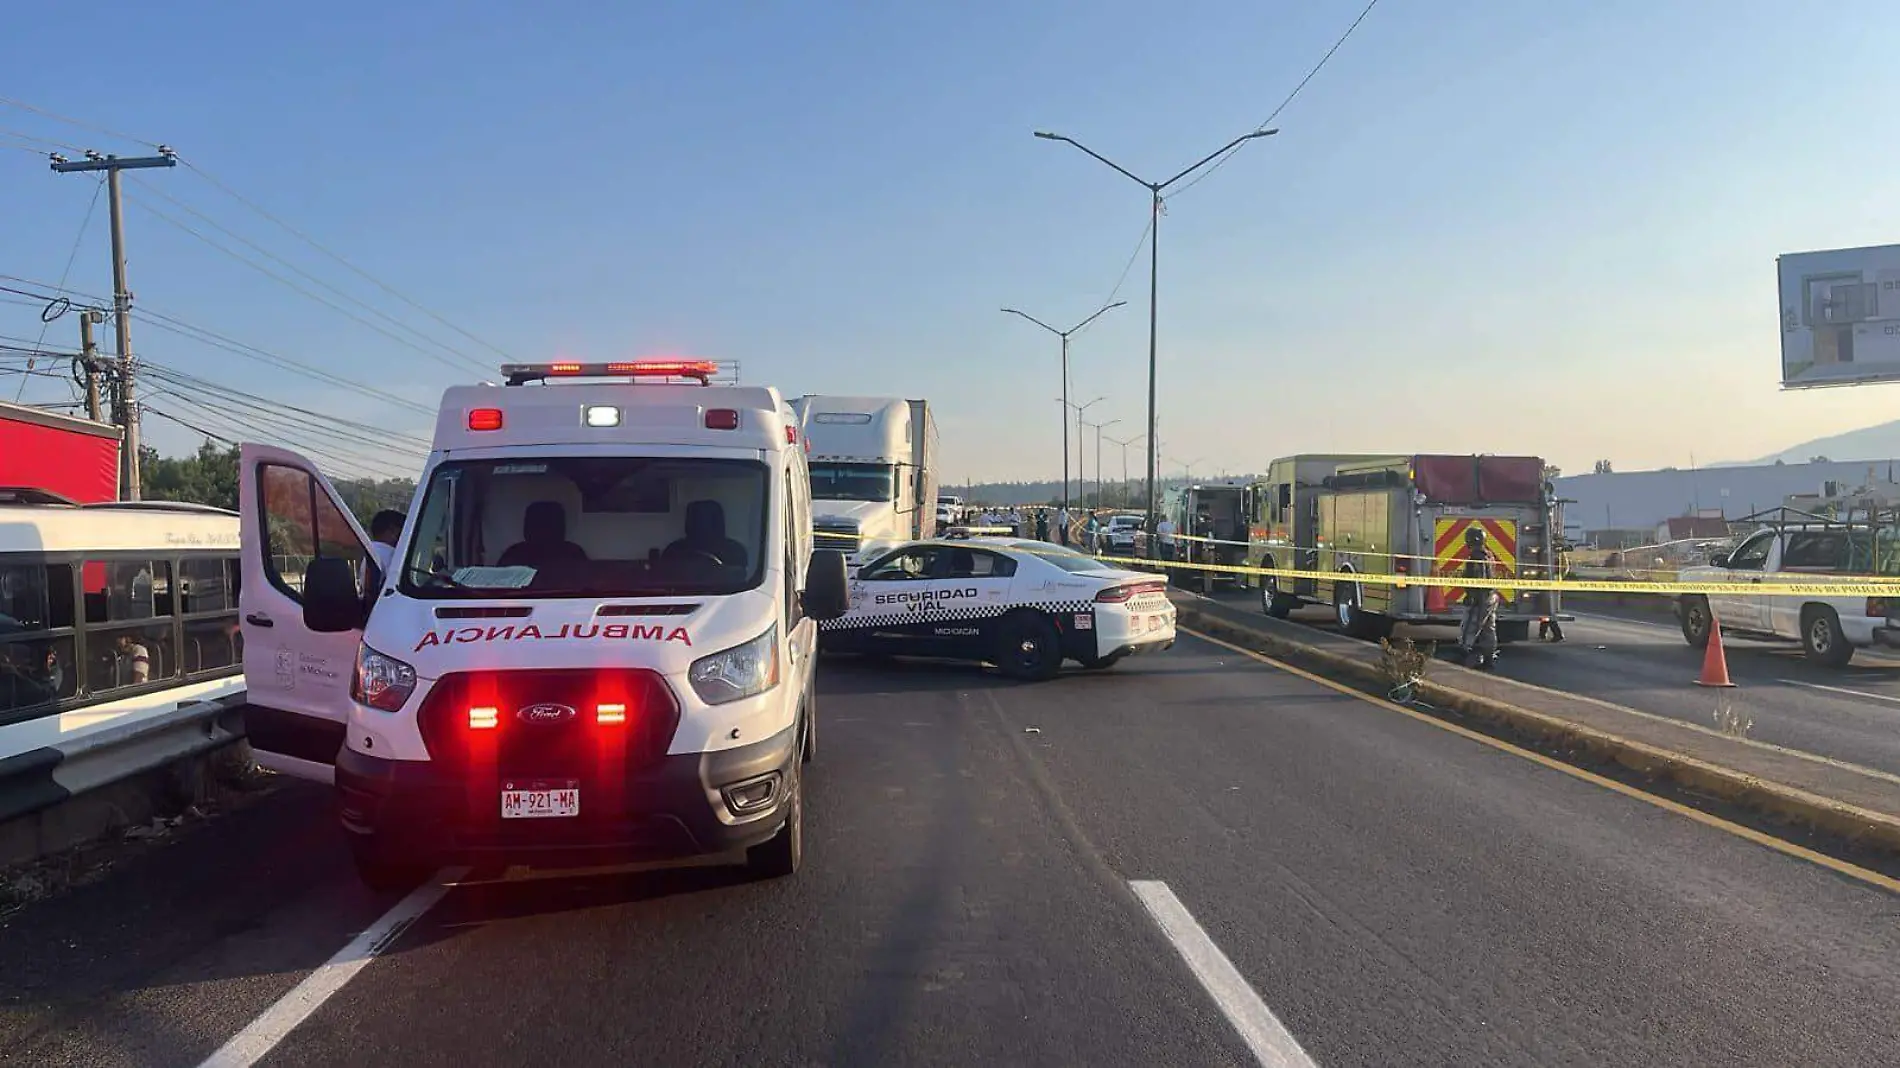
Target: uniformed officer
pixel 1478 637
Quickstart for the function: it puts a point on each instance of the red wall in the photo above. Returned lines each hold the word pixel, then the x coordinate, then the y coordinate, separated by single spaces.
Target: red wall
pixel 84 467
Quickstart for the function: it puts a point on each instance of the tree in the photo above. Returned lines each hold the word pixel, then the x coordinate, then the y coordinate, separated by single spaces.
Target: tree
pixel 1603 468
pixel 209 477
pixel 1552 472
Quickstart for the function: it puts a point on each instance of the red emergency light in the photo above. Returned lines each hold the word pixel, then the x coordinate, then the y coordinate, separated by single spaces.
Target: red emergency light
pixel 722 419
pixel 665 368
pixel 791 435
pixel 484 418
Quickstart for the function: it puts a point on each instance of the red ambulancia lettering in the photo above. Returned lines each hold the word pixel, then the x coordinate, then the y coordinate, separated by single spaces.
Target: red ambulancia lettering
pixel 610 631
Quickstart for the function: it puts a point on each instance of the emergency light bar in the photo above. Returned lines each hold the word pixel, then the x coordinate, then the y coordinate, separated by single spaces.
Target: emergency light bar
pixel 521 373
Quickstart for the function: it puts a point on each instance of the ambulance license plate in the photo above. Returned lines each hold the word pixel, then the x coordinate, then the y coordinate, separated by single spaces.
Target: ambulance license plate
pixel 540 799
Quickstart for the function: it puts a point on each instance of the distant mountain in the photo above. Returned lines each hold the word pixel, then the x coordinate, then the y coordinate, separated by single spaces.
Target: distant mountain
pixel 1879 442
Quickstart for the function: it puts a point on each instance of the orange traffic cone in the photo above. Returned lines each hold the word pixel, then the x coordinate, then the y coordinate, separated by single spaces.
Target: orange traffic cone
pixel 1714 662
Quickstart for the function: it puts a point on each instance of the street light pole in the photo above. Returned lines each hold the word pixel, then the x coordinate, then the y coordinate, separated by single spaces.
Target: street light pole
pixel 1064 335
pixel 1124 444
pixel 1098 460
pixel 1155 189
pixel 1080 475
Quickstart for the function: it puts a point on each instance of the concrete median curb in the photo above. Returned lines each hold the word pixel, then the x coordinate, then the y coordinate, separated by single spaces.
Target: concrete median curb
pixel 1850 822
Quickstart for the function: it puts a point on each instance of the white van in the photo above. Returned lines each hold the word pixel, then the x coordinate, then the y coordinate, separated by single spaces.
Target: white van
pixel 595 644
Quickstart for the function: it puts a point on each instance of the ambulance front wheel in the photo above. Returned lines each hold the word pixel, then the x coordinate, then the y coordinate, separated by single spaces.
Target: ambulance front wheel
pixel 781 854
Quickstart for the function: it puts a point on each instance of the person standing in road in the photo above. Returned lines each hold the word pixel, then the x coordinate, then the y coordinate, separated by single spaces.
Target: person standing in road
pixel 1063 522
pixel 1042 524
pixel 1478 637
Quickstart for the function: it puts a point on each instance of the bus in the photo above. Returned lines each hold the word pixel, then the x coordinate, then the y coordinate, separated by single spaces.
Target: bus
pixel 112 609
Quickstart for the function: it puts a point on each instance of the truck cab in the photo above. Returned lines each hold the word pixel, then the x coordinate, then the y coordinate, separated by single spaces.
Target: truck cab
pixel 594 643
pixel 873 471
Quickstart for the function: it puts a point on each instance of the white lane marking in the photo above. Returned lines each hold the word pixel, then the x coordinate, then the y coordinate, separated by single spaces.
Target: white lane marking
pixel 1259 1028
pixel 256 1041
pixel 1837 689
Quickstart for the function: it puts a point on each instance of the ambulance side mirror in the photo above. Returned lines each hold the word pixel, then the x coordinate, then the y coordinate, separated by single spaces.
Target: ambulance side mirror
pixel 331 604
pixel 826 594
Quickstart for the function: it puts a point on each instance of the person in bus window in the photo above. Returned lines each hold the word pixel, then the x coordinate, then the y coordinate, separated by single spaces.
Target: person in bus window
pixel 134 655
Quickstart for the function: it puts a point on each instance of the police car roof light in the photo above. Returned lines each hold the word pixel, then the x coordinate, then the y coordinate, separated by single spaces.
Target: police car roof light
pixel 484 419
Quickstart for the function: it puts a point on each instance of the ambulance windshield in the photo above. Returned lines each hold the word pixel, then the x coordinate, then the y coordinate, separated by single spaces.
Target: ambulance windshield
pixel 589 526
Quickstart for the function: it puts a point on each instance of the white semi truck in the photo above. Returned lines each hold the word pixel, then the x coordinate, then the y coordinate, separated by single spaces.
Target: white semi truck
pixel 873 470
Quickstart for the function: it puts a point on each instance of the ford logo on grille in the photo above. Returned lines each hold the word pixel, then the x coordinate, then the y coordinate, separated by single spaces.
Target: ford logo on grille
pixel 546 713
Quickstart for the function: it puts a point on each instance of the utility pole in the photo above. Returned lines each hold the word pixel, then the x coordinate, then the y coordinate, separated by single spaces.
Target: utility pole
pixel 89 359
pixel 128 411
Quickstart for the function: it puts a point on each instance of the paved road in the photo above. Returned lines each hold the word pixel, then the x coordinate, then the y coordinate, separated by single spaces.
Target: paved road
pixel 1640 660
pixel 1391 892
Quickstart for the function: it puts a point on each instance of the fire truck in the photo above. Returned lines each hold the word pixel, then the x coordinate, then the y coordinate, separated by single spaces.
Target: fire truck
pixel 1387 517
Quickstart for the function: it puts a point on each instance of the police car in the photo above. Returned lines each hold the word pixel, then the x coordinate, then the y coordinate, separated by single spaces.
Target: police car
pixel 1024 605
pixel 595 643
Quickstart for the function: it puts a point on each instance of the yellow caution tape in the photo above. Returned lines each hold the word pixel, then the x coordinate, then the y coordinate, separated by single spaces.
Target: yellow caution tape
pixel 1769 586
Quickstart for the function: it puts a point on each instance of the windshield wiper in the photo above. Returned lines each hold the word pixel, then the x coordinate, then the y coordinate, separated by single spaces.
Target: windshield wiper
pixel 440 575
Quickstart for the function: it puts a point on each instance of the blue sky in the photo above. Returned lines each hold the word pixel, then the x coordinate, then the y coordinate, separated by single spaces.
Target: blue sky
pixel 1491 226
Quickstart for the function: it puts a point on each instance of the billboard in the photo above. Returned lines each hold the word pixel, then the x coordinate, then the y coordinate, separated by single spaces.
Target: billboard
pixel 1840 316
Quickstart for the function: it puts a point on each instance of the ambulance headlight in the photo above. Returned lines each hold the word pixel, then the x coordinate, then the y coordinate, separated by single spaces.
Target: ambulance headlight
pixel 741 671
pixel 380 681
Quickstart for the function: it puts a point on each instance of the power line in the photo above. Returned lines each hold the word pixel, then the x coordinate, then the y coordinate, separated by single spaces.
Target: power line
pixel 206 336
pixel 259 425
pixel 1140 243
pixel 293 286
pixel 30 138
pixel 188 426
pixel 481 366
pixel 46 323
pixel 68 120
pixel 372 279
pixel 325 419
pixel 1268 121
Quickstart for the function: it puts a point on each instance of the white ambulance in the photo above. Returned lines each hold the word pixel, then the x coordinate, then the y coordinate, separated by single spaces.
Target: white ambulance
pixel 595 642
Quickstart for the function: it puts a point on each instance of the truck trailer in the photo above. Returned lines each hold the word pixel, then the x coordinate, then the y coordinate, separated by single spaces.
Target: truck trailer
pixel 873 470
pixel 1393 516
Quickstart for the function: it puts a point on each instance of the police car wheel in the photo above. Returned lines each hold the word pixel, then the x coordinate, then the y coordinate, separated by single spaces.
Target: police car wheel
pixel 379 870
pixel 781 854
pixel 1029 648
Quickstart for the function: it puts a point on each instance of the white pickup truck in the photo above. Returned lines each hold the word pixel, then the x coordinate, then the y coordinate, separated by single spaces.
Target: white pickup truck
pixel 1828 628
